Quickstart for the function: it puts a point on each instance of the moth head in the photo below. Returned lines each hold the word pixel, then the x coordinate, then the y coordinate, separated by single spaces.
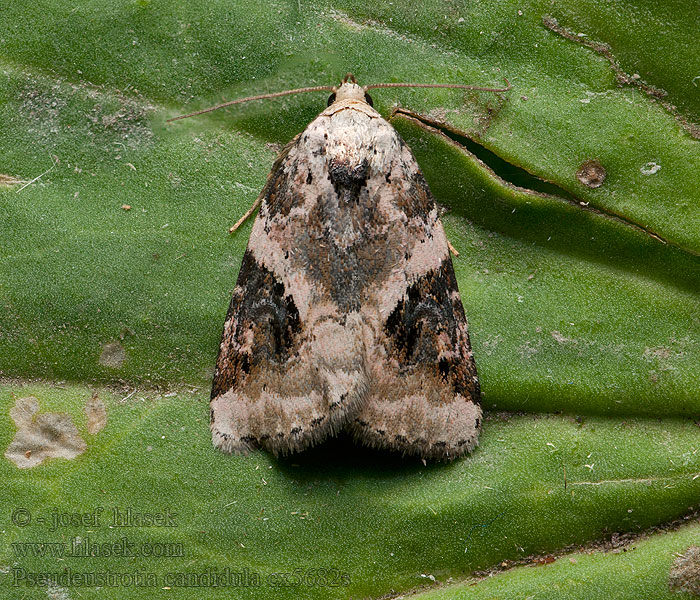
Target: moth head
pixel 349 90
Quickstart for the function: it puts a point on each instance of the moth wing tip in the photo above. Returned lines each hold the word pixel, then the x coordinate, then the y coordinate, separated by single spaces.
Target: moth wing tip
pixel 229 445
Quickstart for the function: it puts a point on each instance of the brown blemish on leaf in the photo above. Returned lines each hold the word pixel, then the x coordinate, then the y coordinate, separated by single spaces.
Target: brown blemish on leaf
pixel 591 173
pixel 113 355
pixel 121 117
pixel 41 436
pixel 685 572
pixel 561 338
pixel 371 25
pixel 663 359
pixel 661 353
pixel 9 180
pixel 491 343
pixel 96 413
pixel 527 349
pixel 623 78
pixel 482 114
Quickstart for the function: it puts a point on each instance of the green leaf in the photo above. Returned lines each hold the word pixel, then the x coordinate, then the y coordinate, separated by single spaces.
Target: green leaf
pixel 643 568
pixel 534 484
pixel 581 300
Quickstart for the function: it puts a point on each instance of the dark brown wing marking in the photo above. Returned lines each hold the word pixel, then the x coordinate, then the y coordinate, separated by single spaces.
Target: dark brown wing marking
pixel 271 319
pixel 291 367
pixel 425 397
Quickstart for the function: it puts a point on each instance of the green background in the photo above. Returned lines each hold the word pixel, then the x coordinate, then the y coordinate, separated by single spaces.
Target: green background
pixel 583 304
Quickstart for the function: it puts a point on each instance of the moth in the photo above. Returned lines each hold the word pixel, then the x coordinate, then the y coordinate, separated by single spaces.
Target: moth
pixel 346 313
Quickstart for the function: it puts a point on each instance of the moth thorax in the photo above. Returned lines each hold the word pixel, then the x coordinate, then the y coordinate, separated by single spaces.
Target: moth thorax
pixel 350 91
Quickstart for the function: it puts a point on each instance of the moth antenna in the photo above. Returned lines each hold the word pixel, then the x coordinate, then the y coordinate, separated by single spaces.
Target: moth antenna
pixel 440 85
pixel 318 88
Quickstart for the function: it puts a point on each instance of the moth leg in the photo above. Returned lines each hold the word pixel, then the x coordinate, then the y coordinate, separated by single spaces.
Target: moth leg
pixel 258 201
pixel 247 215
pixel 453 250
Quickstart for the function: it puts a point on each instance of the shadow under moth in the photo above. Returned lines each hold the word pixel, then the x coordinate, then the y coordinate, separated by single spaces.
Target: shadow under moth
pixel 346 313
